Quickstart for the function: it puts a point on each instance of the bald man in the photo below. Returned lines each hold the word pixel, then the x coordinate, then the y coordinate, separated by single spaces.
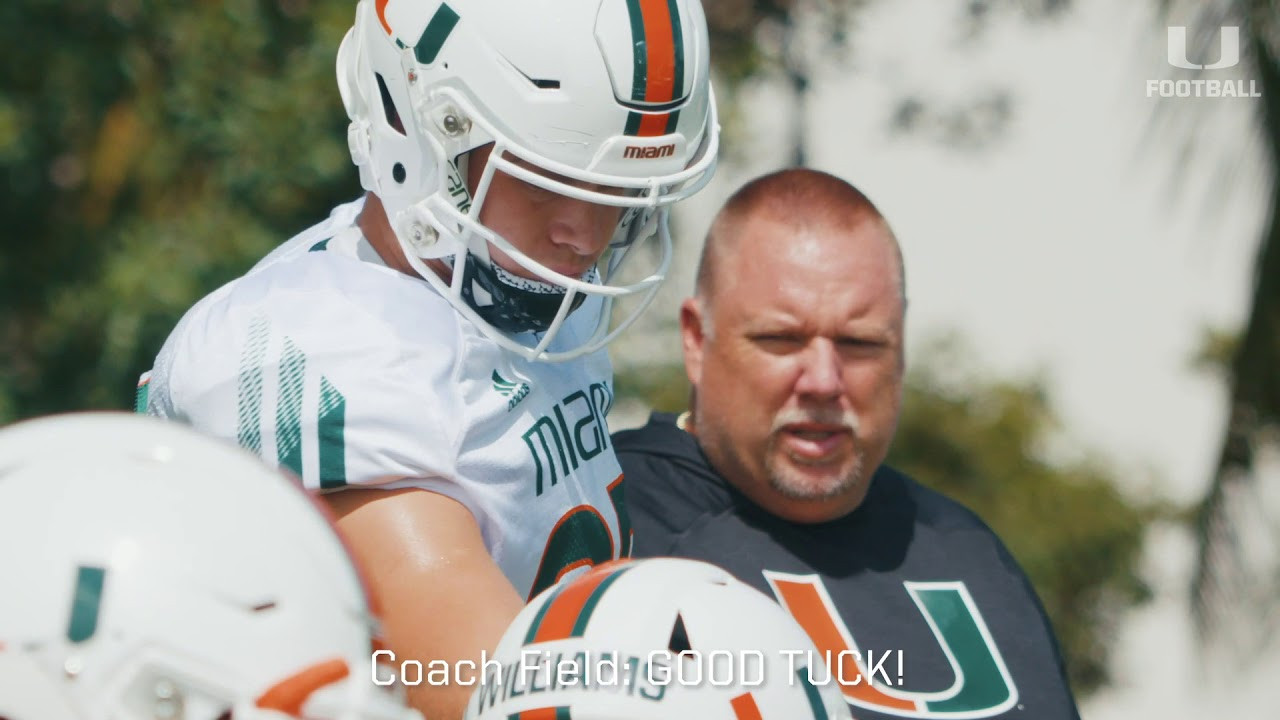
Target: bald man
pixel 793 344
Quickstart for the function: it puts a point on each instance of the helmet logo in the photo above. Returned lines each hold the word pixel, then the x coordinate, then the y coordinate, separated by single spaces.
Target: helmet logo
pixel 655 151
pixel 457 189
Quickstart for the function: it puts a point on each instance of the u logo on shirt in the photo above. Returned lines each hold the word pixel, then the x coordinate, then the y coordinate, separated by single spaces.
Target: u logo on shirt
pixel 983 686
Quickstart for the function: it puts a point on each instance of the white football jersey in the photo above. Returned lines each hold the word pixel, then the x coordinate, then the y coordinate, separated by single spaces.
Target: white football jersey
pixel 351 374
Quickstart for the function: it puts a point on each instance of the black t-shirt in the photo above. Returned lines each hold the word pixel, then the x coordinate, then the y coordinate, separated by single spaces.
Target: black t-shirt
pixel 943 621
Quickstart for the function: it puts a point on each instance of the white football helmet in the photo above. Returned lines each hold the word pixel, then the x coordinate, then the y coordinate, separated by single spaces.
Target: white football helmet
pixel 655 639
pixel 606 101
pixel 153 573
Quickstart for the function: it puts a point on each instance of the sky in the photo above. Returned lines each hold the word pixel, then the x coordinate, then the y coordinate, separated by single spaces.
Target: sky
pixel 1063 249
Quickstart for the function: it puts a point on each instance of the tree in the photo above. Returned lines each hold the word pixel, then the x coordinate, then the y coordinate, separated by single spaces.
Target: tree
pixel 786 39
pixel 1235 585
pixel 151 151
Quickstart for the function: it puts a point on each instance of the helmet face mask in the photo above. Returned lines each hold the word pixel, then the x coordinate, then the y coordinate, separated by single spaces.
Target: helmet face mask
pixel 167 574
pixel 567 103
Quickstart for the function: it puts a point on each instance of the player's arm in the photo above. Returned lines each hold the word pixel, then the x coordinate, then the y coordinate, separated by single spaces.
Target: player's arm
pixel 442 596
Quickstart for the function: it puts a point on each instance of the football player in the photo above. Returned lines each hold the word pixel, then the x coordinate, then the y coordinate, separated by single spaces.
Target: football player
pixel 431 356
pixel 138 584
pixel 656 639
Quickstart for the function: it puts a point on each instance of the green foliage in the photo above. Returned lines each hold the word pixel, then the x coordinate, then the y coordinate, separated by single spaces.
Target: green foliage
pixel 151 151
pixel 981 442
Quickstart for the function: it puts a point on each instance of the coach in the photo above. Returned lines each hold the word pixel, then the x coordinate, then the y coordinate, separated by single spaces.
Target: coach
pixel 793 343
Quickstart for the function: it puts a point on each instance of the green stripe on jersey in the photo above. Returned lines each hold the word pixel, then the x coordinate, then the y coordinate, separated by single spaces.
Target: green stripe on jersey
pixel 332 431
pixel 293 367
pixel 249 387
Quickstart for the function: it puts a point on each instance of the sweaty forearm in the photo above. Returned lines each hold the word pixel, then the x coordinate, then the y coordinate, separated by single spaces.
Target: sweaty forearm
pixel 442 600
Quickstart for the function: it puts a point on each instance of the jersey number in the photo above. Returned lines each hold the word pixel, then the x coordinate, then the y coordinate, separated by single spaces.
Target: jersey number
pixel 581 538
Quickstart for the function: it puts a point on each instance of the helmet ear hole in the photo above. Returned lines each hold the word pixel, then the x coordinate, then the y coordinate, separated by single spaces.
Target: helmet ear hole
pixel 389 107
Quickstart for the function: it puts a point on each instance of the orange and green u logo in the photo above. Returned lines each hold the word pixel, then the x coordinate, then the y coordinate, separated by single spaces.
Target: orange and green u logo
pixel 657 80
pixel 982 687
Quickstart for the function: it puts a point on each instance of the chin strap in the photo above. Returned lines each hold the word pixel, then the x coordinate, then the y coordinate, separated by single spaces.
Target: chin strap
pixel 511 303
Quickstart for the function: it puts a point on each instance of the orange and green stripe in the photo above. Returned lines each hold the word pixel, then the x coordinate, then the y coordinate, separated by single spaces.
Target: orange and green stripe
pixel 567 611
pixel 293 371
pixel 658 64
pixel 546 713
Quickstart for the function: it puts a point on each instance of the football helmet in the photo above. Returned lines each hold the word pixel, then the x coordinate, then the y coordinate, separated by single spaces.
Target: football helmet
pixel 655 639
pixel 603 101
pixel 151 572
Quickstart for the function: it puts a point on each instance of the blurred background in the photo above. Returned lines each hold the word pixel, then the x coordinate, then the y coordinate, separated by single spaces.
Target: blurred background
pixel 1093 273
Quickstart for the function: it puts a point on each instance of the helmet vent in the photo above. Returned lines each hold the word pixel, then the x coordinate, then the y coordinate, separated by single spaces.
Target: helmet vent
pixel 679 641
pixel 540 83
pixel 389 106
